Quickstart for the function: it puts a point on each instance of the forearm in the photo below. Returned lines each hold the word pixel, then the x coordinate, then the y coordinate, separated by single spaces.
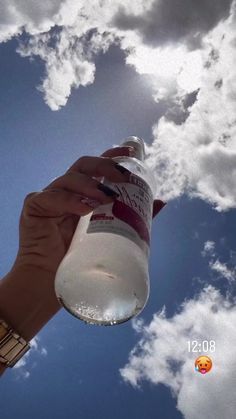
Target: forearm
pixel 27 299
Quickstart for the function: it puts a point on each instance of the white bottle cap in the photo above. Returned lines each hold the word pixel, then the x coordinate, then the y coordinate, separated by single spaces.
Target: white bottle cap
pixel 138 145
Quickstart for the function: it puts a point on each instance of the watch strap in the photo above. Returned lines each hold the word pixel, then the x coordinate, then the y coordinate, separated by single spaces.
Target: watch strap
pixel 12 345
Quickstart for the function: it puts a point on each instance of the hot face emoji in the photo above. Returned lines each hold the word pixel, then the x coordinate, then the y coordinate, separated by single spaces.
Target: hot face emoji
pixel 203 364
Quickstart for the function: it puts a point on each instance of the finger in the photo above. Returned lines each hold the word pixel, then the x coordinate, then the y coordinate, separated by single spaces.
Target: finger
pixel 111 152
pixel 57 202
pixel 85 186
pixel 157 207
pixel 127 151
pixel 119 151
pixel 100 167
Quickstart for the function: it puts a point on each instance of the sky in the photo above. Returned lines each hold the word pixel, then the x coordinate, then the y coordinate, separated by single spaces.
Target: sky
pixel 76 78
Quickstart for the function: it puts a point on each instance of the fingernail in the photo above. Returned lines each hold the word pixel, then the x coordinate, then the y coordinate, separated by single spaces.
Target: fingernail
pixel 108 191
pixel 93 203
pixel 122 169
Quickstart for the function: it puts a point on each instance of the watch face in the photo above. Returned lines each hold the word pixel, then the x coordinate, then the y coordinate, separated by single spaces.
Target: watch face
pixel 199 346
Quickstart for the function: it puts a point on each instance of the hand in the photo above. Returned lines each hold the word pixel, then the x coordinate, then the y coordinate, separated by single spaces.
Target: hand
pixel 49 217
pixel 47 224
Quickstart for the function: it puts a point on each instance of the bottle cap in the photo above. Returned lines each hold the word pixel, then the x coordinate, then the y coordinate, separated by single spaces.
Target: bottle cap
pixel 138 145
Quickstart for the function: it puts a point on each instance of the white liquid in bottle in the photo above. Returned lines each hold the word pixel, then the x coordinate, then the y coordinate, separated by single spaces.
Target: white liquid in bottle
pixel 103 279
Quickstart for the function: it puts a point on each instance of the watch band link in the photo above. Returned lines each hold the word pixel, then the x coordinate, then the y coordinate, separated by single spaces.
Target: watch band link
pixel 12 345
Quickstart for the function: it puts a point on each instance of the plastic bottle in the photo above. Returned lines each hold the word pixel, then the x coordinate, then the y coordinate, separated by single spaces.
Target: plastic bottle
pixel 104 279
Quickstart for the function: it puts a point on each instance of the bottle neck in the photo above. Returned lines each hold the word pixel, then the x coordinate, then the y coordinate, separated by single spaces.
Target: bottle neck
pixel 138 145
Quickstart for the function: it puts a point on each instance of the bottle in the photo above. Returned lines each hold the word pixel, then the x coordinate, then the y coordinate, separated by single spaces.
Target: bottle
pixel 104 279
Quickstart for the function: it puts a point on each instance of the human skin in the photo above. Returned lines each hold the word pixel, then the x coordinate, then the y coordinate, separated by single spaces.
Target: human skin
pixel 47 223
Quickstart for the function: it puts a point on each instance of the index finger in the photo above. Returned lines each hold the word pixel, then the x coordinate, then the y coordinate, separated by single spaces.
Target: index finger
pixel 96 167
pixel 111 152
pixel 117 151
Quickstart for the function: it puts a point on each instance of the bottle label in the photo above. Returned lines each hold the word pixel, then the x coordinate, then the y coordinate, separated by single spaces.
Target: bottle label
pixel 130 215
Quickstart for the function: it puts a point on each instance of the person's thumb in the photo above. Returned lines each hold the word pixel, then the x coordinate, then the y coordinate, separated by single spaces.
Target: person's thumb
pixel 157 206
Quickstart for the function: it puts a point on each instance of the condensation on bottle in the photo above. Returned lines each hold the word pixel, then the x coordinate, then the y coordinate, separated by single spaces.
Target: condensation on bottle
pixel 104 279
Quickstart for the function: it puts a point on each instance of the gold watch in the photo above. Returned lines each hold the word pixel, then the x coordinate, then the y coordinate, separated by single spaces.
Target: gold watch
pixel 12 345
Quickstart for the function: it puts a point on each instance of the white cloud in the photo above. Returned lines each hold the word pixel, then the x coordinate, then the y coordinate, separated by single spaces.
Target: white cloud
pixel 196 154
pixel 169 68
pixel 84 32
pixel 224 270
pixel 77 30
pixel 22 367
pixel 165 22
pixel 158 359
pixel 26 374
pixel 209 247
pixel 44 352
pixel 65 67
pixel 19 15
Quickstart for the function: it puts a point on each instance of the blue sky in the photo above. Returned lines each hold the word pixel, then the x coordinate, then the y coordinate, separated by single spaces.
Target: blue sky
pixel 127 371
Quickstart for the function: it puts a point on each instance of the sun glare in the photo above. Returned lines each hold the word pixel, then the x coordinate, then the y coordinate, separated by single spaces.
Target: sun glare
pixel 167 64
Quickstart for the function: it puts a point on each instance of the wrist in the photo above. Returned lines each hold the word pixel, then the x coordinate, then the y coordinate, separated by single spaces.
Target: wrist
pixel 27 299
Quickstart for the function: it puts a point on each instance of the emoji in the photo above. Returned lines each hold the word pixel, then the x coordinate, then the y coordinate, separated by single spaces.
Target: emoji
pixel 203 364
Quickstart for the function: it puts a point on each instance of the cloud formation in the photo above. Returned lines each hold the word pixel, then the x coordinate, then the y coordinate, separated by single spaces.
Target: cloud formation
pixel 209 248
pixel 186 52
pixel 171 22
pixel 157 358
pixel 17 16
pixel 198 156
pixel 66 67
pixel 224 270
pixel 22 367
pixel 66 35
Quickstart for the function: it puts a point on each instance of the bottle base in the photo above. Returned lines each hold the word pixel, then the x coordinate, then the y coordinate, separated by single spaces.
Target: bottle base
pixel 94 321
pixel 107 284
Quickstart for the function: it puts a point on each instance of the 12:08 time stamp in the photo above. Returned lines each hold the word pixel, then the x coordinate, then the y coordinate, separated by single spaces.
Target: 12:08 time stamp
pixel 204 346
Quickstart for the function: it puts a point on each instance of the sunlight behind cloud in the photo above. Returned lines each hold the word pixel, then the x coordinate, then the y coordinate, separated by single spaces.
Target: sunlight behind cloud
pixel 189 67
pixel 189 76
pixel 159 62
pixel 169 69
